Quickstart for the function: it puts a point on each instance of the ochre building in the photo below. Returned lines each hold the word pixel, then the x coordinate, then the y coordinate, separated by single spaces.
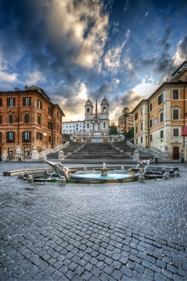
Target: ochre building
pixel 28 119
pixel 160 121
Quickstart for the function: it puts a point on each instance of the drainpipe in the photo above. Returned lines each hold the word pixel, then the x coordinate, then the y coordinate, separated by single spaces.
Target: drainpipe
pixel 18 116
pixel 184 114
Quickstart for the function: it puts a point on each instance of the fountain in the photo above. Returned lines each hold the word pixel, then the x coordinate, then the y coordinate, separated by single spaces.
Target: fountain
pixel 62 175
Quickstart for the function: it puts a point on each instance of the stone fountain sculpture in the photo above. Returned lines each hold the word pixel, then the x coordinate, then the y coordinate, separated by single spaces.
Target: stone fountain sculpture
pixel 61 170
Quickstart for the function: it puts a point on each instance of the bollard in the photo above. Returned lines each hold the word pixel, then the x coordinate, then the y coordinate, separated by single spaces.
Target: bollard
pixel 176 174
pixel 62 181
pixel 165 176
pixel 141 178
pixel 30 179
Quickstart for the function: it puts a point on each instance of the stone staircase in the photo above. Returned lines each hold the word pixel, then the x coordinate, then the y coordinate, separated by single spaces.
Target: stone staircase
pixel 98 151
pixel 71 148
pixel 107 151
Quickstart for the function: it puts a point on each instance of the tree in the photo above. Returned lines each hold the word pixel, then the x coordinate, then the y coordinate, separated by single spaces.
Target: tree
pixel 126 113
pixel 113 130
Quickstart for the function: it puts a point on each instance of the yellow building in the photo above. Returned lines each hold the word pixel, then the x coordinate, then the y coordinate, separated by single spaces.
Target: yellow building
pixel 160 121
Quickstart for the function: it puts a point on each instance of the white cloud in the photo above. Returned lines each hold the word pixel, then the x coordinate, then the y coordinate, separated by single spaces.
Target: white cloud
pixel 145 89
pixel 112 59
pixel 32 78
pixel 84 25
pixel 127 5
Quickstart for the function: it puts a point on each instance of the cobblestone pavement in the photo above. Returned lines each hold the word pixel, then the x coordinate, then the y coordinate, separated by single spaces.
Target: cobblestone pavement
pixel 128 231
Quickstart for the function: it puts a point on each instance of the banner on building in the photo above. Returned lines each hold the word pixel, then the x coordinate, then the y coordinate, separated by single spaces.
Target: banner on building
pixel 184 130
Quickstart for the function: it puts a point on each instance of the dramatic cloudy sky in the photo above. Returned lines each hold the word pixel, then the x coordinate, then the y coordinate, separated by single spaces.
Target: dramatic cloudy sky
pixel 80 49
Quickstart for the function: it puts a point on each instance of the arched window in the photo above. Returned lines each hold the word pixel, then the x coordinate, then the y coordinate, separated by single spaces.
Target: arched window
pixel 88 110
pixel 88 125
pixel 104 125
pixel 104 109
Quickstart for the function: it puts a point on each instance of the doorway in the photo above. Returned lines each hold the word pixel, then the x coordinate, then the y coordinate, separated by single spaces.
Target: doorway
pixel 175 153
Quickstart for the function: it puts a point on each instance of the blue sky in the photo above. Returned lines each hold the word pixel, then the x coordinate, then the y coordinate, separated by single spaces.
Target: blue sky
pixel 80 49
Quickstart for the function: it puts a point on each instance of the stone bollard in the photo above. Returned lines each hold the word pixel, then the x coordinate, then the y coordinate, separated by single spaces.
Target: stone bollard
pixel 30 179
pixel 176 174
pixel 21 176
pixel 62 181
pixel 35 154
pixel 141 178
pixel 165 176
pixel 61 154
pixel 171 173
pixel 85 169
pixel 122 168
pixel 44 157
pixel 136 155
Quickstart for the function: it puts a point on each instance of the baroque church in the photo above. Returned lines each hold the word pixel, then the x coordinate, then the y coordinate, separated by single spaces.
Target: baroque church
pixel 97 121
pixel 95 126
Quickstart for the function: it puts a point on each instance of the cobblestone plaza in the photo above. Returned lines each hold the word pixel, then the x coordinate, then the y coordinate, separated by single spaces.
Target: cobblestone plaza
pixel 95 232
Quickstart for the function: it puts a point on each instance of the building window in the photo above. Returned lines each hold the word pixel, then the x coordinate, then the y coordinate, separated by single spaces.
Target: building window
pixel 88 110
pixel 49 125
pixel 161 134
pixel 175 94
pixel 141 111
pixel 104 125
pixel 175 114
pixel 26 118
pixel 141 126
pixel 26 151
pixel 26 136
pixel 151 138
pixel 141 139
pixel 10 101
pixel 39 104
pixel 50 111
pixel 38 136
pixel 0 137
pixel 160 99
pixel 136 116
pixel 176 132
pixel 104 109
pixel 136 129
pixel 10 151
pixel 49 138
pixel 10 137
pixel 26 101
pixel 57 114
pixel 39 120
pixel 150 123
pixel 0 101
pixel 150 107
pixel 161 117
pixel 0 119
pixel 155 121
pixel 10 119
pixel 88 126
pixel 136 141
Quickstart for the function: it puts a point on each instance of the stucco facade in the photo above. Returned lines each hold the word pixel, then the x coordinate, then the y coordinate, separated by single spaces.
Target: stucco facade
pixel 160 120
pixel 28 119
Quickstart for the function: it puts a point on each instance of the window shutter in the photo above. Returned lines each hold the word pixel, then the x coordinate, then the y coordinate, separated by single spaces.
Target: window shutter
pixel 24 101
pixel 13 101
pixel 29 100
pixel 13 136
pixel 0 101
pixel 41 136
pixel 0 119
pixel 0 137
pixel 23 136
pixel 30 137
pixel 8 102
pixel 7 138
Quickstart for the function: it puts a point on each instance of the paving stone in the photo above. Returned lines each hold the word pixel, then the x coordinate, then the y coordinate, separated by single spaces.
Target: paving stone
pixel 126 271
pixel 159 277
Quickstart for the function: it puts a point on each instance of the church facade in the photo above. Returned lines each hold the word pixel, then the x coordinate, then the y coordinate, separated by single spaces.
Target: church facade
pixel 94 127
pixel 97 121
